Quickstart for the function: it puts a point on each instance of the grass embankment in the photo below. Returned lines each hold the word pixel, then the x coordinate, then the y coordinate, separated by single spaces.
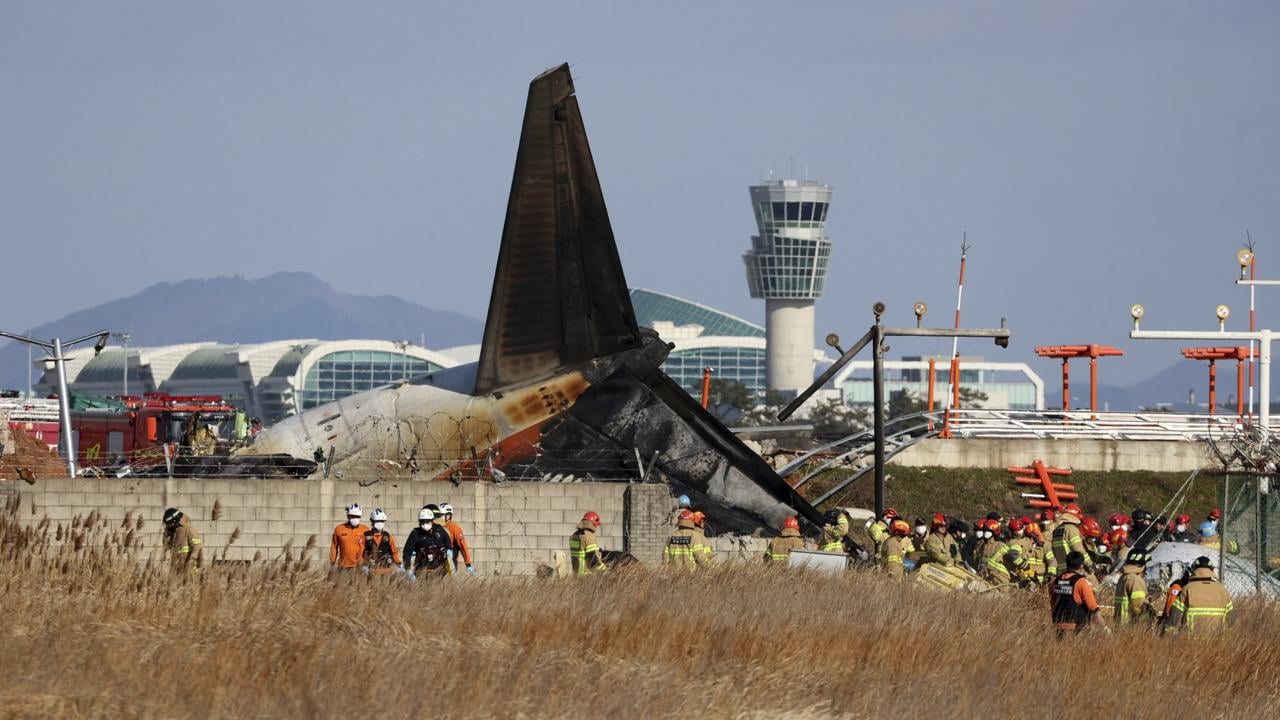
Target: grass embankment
pixel 93 632
pixel 973 492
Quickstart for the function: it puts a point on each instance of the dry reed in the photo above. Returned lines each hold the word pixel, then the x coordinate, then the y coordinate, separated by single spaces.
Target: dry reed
pixel 97 627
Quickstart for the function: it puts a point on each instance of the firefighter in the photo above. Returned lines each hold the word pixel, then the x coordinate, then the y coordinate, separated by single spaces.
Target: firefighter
pixel 1117 536
pixel 940 547
pixel 1203 604
pixel 879 530
pixel 779 550
pixel 583 549
pixel 834 527
pixel 1031 567
pixel 682 503
pixel 920 533
pixel 427 550
pixel 1215 517
pixel 1002 563
pixel 379 554
pixel 1072 602
pixel 683 549
pixel 1094 550
pixel 463 550
pixel 1131 591
pixel 1047 520
pixel 1209 539
pixel 1181 530
pixel 1067 538
pixel 702 547
pixel 181 541
pixel 963 536
pixel 346 548
pixel 1144 533
pixel 895 548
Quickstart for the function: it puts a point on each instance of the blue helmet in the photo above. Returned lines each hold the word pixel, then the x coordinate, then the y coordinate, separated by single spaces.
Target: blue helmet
pixel 683 501
pixel 1208 529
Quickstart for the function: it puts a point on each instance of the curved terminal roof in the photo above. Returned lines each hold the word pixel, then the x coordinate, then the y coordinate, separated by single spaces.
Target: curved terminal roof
pixel 652 306
pixel 208 363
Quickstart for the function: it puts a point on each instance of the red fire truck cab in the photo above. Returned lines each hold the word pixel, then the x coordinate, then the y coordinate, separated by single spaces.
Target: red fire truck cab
pixel 137 435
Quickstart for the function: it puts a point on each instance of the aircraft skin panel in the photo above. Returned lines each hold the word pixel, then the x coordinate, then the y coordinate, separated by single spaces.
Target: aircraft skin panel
pixel 559 295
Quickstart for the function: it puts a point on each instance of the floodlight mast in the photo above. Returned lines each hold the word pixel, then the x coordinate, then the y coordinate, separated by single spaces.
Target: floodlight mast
pixel 1262 337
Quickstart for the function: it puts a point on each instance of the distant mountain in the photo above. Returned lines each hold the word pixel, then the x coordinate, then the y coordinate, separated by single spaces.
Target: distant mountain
pixel 1169 386
pixel 235 310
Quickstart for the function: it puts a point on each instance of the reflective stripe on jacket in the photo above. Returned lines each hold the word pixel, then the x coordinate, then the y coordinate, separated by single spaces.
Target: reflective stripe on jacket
pixel 1131 595
pixel 584 552
pixel 1203 603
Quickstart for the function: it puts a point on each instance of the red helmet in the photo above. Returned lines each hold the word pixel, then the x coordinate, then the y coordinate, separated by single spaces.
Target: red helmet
pixel 1090 528
pixel 900 527
pixel 939 520
pixel 699 518
pixel 993 526
pixel 1046 516
pixel 592 517
pixel 791 523
pixel 1184 519
pixel 1026 520
pixel 1016 525
pixel 1115 520
pixel 685 514
pixel 890 513
pixel 1215 514
pixel 1074 509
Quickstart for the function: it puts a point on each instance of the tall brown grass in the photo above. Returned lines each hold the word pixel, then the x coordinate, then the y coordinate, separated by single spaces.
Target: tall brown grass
pixel 99 627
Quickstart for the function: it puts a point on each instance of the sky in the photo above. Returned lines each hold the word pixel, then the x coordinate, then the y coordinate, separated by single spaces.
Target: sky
pixel 1097 154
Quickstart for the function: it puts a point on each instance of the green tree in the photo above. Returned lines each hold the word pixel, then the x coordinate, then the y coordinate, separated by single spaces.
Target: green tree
pixel 730 400
pixel 831 417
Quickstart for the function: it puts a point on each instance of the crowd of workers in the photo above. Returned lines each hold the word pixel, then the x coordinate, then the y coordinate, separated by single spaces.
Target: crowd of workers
pixel 1061 549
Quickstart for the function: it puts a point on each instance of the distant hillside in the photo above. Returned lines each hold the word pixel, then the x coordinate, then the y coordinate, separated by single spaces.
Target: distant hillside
pixel 1170 385
pixel 233 309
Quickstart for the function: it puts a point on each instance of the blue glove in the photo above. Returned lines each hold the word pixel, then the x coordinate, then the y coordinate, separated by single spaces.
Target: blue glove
pixel 471 570
pixel 909 565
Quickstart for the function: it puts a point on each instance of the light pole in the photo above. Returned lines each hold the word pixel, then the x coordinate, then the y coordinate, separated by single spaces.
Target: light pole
pixel 124 342
pixel 875 336
pixel 1262 337
pixel 56 346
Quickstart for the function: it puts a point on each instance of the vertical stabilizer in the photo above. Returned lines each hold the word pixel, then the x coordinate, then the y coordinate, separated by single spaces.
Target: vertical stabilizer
pixel 559 295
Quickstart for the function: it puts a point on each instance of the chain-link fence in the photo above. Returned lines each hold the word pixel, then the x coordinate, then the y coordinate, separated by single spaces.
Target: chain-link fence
pixel 1249 556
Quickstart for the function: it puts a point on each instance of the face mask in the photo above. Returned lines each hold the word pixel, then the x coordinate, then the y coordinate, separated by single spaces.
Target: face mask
pixel 1021 533
pixel 1126 527
pixel 379 525
pixel 353 521
pixel 1182 528
pixel 1044 524
pixel 920 529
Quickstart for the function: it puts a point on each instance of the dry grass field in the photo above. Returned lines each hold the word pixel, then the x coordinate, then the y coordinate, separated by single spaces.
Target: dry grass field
pixel 92 628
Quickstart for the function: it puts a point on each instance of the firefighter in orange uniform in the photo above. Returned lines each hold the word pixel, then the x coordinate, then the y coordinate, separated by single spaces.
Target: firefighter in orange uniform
pixel 463 550
pixel 346 548
pixel 379 554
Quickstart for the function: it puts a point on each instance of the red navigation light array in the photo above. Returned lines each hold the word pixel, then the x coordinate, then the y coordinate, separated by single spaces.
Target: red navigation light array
pixel 1214 354
pixel 1052 494
pixel 1065 353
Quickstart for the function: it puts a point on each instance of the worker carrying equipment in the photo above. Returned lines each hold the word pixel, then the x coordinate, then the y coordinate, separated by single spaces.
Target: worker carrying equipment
pixel 462 550
pixel 1072 602
pixel 181 541
pixel 779 550
pixel 835 525
pixel 687 548
pixel 346 548
pixel 1131 590
pixel 584 551
pixel 428 549
pixel 1203 605
pixel 379 555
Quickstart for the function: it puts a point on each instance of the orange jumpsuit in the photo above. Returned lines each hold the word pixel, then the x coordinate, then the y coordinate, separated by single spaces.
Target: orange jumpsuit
pixel 346 549
pixel 459 542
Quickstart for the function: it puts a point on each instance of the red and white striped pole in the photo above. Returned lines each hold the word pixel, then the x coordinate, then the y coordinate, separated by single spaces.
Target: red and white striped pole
pixel 953 397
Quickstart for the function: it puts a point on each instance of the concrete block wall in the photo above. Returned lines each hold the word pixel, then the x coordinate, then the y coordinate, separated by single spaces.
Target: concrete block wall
pixel 1078 454
pixel 512 528
pixel 650 508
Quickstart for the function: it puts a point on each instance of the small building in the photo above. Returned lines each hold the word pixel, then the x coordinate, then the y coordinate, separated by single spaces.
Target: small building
pixel 1007 385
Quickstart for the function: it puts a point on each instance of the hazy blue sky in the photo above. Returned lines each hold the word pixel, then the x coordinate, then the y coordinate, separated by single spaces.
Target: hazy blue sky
pixel 1097 154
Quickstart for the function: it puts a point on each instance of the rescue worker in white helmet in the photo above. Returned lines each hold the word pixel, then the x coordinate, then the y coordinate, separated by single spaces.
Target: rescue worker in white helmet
pixel 380 556
pixel 462 549
pixel 346 548
pixel 427 551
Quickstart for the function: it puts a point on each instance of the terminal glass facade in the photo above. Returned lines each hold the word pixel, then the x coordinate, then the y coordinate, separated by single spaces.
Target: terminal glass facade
pixel 731 364
pixel 339 374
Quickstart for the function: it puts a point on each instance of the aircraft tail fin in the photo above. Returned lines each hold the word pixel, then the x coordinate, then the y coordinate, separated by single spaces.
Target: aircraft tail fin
pixel 559 296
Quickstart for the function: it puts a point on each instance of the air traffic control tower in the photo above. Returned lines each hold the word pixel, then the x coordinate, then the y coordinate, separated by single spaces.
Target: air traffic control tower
pixel 787 266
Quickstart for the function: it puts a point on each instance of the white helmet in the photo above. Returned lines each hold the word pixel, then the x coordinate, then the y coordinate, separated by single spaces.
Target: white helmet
pixel 378 515
pixel 425 514
pixel 354 510
pixel 446 509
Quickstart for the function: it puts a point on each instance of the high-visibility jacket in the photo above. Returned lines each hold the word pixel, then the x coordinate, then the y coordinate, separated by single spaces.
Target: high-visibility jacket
pixel 892 553
pixel 1072 602
pixel 584 552
pixel 1131 596
pixel 184 545
pixel 779 550
pixel 686 548
pixel 941 548
pixel 833 535
pixel 346 548
pixel 1067 539
pixel 459 542
pixel 1004 562
pixel 1203 605
pixel 1032 567
pixel 879 532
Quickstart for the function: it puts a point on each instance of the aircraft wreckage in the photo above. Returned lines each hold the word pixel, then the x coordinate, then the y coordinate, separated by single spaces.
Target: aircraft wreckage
pixel 565 377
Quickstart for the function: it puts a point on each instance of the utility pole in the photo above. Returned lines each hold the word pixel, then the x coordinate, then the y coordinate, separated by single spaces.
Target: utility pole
pixel 876 336
pixel 65 441
pixel 124 341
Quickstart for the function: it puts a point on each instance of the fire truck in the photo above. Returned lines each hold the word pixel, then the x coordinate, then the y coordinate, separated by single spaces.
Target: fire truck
pixel 146 428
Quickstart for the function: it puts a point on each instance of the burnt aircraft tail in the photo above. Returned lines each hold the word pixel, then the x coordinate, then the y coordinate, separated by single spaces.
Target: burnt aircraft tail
pixel 559 297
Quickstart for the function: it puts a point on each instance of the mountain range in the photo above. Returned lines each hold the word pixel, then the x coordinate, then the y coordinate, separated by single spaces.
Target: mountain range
pixel 236 310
